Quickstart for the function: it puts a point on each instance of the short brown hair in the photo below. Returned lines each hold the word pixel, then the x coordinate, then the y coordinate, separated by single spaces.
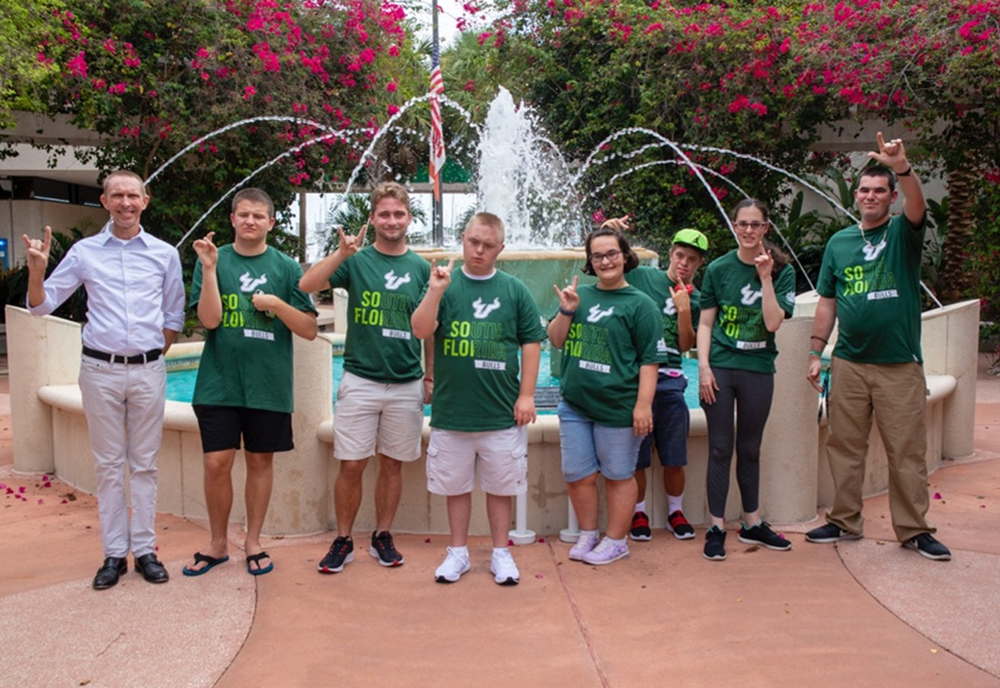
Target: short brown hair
pixel 631 260
pixel 490 220
pixel 124 173
pixel 254 195
pixel 389 190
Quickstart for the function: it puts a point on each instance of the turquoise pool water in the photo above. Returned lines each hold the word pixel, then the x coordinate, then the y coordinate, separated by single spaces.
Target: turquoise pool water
pixel 180 383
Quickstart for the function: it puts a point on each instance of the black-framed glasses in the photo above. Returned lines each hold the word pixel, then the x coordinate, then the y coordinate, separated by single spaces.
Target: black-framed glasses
pixel 598 258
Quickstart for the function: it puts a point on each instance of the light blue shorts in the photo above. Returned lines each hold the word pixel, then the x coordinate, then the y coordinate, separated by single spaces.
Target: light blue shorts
pixel 588 447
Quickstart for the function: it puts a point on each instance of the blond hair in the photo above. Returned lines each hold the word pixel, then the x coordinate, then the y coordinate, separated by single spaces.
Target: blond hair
pixel 490 220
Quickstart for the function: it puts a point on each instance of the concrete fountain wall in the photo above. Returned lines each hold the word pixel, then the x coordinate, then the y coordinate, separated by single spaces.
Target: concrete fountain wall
pixel 50 434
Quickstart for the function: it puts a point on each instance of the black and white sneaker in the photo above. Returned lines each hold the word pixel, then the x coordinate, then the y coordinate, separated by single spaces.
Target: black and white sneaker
pixel 384 550
pixel 640 527
pixel 341 553
pixel 928 546
pixel 830 533
pixel 715 544
pixel 762 534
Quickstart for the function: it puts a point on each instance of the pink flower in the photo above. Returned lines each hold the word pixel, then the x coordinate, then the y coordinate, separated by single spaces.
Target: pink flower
pixel 937 495
pixel 78 65
pixel 117 89
pixel 392 109
pixel 21 489
pixel 470 85
pixel 64 502
pixel 391 87
pixel 394 50
pixel 677 190
pixel 599 216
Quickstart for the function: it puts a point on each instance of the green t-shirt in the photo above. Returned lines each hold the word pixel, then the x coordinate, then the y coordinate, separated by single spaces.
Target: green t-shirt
pixel 383 291
pixel 247 359
pixel 481 327
pixel 740 339
pixel 877 288
pixel 655 284
pixel 612 335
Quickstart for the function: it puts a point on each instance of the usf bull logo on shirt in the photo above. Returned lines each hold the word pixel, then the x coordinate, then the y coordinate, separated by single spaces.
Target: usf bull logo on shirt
pixel 248 284
pixel 393 283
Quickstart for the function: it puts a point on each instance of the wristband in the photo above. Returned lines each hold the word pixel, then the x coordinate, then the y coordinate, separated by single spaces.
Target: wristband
pixel 907 173
pixel 567 313
pixel 815 336
pixel 817 354
pixel 428 379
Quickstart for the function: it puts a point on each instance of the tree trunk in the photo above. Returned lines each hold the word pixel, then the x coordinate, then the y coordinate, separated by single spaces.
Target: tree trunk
pixel 954 278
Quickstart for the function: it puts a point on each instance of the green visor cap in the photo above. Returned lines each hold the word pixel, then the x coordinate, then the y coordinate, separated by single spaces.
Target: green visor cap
pixel 692 238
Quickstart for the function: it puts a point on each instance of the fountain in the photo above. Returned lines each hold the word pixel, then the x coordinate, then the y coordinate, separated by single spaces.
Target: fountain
pixel 49 427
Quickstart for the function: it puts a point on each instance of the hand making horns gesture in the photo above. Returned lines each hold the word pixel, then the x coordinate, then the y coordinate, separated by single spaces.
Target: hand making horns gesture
pixel 38 251
pixel 569 300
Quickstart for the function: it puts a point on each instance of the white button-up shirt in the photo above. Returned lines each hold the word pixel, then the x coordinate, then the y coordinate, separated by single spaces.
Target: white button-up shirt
pixel 134 291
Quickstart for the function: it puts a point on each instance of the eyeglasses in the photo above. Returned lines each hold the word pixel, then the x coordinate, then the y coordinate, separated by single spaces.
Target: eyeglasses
pixel 598 258
pixel 743 224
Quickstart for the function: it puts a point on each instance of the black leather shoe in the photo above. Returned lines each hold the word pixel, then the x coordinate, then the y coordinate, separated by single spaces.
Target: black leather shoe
pixel 107 576
pixel 151 569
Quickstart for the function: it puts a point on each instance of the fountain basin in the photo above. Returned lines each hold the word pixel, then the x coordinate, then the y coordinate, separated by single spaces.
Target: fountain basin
pixel 50 435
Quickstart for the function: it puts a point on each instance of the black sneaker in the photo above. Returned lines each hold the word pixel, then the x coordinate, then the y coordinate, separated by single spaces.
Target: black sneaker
pixel 928 546
pixel 341 552
pixel 640 527
pixel 384 550
pixel 715 544
pixel 679 526
pixel 830 533
pixel 761 534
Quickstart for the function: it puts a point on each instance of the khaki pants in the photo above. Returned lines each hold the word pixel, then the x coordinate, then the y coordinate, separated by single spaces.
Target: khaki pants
pixel 897 396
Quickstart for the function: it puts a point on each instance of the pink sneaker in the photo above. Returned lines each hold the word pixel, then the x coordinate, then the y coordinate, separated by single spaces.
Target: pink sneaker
pixel 587 542
pixel 606 552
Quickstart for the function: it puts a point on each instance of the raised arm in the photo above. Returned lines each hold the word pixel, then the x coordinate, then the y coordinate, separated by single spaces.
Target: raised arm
pixel 892 154
pixel 569 301
pixel 317 278
pixel 685 326
pixel 209 300
pixel 424 319
pixel 773 315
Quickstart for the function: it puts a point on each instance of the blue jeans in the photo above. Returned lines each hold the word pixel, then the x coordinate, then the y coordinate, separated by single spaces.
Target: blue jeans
pixel 588 447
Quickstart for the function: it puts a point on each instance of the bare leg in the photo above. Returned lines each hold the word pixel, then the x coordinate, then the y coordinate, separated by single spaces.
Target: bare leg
pixel 347 494
pixel 219 501
pixel 673 480
pixel 388 490
pixel 459 514
pixel 498 510
pixel 583 495
pixel 640 483
pixel 621 505
pixel 260 478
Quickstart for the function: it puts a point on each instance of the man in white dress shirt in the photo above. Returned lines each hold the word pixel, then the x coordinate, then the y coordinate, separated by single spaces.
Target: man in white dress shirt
pixel 135 308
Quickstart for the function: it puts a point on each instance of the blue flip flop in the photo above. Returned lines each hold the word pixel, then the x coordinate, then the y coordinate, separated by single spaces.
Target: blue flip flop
pixel 255 559
pixel 199 558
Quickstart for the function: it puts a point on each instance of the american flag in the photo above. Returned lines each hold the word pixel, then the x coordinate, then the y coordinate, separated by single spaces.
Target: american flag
pixel 437 137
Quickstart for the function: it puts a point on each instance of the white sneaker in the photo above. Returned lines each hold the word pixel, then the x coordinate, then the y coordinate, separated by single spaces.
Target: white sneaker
pixel 587 542
pixel 503 568
pixel 606 552
pixel 453 566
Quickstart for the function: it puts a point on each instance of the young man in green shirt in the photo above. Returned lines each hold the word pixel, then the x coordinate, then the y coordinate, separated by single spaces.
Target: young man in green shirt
pixel 480 320
pixel 677 299
pixel 249 302
pixel 381 395
pixel 870 283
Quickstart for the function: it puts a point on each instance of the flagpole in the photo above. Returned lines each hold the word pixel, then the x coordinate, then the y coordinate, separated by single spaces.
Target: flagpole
pixel 437 211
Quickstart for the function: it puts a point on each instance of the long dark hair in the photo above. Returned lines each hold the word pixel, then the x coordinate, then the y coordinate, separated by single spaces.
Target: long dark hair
pixel 781 259
pixel 631 260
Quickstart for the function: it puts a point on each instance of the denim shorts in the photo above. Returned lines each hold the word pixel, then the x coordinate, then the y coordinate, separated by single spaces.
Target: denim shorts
pixel 588 447
pixel 671 424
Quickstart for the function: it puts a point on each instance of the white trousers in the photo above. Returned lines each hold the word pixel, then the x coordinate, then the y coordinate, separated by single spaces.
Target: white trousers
pixel 124 408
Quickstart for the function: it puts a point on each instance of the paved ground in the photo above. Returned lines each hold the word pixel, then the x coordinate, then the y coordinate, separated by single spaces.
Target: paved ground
pixel 865 613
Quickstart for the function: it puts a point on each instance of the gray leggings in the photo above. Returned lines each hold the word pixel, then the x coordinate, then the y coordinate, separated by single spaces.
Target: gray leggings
pixel 750 393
